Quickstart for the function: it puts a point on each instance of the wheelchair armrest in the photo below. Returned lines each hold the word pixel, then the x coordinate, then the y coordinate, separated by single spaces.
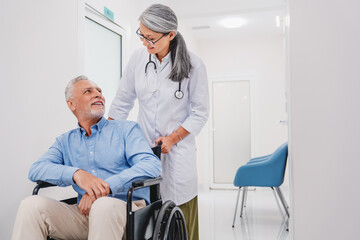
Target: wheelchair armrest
pixel 41 184
pixel 153 183
pixel 146 183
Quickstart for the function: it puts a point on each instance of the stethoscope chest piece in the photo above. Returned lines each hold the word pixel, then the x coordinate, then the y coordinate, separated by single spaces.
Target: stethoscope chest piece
pixel 179 94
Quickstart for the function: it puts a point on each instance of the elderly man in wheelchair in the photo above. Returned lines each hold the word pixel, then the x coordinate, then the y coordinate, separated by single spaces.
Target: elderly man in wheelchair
pixel 105 161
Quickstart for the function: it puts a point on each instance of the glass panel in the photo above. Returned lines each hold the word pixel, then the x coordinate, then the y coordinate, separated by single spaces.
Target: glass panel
pixel 103 58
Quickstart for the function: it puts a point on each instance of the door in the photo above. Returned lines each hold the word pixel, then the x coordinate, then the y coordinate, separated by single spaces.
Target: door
pixel 231 128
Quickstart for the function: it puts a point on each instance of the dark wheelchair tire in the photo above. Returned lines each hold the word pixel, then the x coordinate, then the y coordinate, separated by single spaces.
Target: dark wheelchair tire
pixel 170 223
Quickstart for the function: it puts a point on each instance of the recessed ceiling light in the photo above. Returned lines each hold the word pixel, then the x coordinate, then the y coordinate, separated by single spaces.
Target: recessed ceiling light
pixel 233 22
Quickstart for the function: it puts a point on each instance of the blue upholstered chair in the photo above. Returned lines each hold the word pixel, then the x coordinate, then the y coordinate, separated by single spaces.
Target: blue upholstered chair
pixel 266 171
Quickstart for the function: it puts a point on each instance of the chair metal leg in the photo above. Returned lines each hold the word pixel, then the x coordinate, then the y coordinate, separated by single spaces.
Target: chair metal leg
pixel 282 231
pixel 283 201
pixel 243 200
pixel 236 206
pixel 278 204
pixel 246 193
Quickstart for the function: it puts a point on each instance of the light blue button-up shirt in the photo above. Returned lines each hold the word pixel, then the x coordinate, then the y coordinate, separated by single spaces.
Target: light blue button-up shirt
pixel 116 152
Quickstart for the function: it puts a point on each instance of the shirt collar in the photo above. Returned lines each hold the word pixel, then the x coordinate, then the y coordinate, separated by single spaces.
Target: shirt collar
pixel 98 126
pixel 165 59
pixel 101 123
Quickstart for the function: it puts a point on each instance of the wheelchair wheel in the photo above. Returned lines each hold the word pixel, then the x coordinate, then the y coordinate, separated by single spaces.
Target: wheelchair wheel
pixel 170 223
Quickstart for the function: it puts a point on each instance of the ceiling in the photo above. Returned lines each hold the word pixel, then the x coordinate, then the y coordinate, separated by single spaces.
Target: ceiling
pixel 202 17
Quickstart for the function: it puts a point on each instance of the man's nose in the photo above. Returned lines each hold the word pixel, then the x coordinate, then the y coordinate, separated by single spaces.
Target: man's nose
pixel 97 94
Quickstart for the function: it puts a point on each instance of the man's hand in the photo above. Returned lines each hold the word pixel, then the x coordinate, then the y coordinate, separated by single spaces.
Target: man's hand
pixel 85 204
pixel 94 186
pixel 167 144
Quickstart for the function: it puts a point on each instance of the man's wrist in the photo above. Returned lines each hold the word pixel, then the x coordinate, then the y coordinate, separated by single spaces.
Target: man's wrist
pixel 74 175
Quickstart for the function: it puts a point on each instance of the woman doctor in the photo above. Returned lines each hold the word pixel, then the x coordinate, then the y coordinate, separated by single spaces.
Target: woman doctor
pixel 171 86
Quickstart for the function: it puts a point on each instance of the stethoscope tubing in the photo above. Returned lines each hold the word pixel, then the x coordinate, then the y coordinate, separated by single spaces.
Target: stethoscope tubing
pixel 147 64
pixel 178 93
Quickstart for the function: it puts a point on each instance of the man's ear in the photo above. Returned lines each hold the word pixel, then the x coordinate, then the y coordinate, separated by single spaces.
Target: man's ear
pixel 71 104
pixel 172 35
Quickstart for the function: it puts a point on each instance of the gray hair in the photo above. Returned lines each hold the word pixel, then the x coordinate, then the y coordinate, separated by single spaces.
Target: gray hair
pixel 160 18
pixel 70 86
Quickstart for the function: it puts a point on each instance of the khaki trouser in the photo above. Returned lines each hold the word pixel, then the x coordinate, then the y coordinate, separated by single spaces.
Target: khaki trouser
pixel 190 211
pixel 39 217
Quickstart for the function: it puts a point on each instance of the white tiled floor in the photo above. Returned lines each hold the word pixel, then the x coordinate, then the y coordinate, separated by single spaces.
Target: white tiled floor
pixel 261 220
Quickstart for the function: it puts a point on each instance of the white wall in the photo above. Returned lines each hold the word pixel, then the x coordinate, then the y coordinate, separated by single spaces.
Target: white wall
pixel 38 57
pixel 325 119
pixel 41 50
pixel 261 60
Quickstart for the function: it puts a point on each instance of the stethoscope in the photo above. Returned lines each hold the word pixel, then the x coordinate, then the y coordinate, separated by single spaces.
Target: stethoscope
pixel 178 93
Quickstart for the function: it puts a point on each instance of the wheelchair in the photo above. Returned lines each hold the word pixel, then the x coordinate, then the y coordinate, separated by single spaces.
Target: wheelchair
pixel 156 221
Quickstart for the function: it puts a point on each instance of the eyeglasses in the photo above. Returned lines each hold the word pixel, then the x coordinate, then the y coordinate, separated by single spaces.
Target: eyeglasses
pixel 142 37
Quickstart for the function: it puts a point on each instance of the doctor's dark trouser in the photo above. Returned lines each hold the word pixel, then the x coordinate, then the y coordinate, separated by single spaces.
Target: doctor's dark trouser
pixel 190 211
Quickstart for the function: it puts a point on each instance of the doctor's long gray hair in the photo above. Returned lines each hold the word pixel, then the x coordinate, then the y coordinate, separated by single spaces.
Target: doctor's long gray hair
pixel 160 18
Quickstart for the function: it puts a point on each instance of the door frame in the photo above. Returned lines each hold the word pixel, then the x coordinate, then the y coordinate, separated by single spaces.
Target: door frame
pixel 87 11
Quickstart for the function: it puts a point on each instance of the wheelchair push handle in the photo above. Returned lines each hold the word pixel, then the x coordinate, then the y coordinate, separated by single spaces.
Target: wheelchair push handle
pixel 157 150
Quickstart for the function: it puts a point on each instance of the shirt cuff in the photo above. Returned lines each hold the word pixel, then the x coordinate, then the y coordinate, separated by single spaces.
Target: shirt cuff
pixel 116 115
pixel 114 185
pixel 190 128
pixel 67 176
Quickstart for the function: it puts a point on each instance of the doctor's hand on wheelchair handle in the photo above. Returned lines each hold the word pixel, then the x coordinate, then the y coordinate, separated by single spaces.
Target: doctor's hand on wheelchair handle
pixel 167 143
pixel 94 186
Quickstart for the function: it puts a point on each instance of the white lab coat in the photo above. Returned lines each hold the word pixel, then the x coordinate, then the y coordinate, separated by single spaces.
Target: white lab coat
pixel 160 114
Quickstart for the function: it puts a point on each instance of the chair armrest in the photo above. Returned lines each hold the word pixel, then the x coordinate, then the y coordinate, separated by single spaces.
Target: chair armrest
pixel 146 183
pixel 153 183
pixel 41 184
